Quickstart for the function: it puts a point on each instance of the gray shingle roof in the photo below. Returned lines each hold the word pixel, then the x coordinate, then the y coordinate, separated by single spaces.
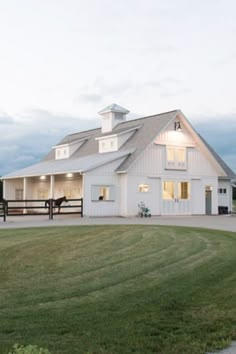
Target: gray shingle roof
pixel 114 108
pixel 145 131
pixel 81 164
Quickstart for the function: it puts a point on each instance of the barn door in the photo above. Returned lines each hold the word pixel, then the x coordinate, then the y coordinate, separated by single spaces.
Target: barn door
pixel 175 197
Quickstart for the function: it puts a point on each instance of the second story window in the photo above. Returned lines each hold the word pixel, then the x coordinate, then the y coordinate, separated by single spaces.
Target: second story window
pixel 176 158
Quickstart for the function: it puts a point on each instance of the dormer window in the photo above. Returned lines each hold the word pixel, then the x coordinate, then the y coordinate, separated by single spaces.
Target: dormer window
pixel 112 142
pixel 64 151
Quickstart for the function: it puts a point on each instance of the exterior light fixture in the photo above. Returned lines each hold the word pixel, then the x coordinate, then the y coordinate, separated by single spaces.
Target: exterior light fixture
pixel 177 126
pixel 43 178
pixel 69 175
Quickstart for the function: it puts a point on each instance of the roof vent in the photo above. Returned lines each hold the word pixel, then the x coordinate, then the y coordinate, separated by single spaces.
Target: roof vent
pixel 111 116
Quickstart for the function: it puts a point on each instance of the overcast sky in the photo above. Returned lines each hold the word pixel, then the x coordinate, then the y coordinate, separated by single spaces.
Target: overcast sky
pixel 61 61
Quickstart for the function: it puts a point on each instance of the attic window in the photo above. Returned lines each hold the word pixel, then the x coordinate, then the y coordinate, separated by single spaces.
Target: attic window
pixel 175 158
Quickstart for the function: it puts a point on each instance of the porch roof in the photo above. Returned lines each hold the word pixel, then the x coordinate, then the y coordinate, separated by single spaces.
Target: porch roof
pixel 81 164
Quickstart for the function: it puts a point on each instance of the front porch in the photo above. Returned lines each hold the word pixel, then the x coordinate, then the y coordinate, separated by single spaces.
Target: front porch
pixel 41 188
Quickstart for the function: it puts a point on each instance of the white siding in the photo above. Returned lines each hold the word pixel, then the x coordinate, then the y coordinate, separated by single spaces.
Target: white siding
pixel 169 137
pixel 198 197
pixel 152 163
pixel 225 199
pixel 103 176
pixel 150 198
pixel 11 186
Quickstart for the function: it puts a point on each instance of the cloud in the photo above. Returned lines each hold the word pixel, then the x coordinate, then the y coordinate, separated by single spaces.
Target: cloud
pixel 219 132
pixel 92 97
pixel 31 135
pixel 5 119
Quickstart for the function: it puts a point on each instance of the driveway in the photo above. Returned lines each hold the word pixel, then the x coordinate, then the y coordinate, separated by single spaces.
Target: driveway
pixel 219 222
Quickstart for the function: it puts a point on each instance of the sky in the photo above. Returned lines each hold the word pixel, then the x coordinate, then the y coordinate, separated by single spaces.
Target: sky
pixel 62 61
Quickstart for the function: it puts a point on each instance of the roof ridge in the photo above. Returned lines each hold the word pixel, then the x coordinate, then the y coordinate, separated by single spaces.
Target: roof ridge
pixel 83 131
pixel 153 115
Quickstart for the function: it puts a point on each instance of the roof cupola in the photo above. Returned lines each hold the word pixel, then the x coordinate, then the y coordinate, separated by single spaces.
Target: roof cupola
pixel 111 116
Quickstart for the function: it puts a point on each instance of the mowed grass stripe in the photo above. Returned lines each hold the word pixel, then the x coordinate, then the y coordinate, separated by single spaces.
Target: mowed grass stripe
pixel 117 289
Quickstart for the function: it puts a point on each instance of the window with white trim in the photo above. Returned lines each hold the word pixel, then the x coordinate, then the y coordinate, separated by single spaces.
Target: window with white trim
pixel 222 190
pixel 103 192
pixel 168 190
pixel 183 190
pixel 144 188
pixel 176 158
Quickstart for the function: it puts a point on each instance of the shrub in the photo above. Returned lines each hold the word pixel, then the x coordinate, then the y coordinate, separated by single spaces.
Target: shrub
pixel 29 349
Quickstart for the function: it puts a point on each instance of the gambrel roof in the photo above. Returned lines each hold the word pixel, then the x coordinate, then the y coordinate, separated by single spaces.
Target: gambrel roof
pixel 86 157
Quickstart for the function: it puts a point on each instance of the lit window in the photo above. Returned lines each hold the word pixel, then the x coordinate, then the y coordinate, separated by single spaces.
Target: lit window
pixel 183 190
pixel 175 158
pixel 180 155
pixel 170 154
pixel 143 188
pixel 168 190
pixel 103 193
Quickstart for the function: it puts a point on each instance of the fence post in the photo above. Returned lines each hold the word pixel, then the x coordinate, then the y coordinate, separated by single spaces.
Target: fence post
pixel 50 209
pixel 4 210
pixel 82 211
pixel 6 207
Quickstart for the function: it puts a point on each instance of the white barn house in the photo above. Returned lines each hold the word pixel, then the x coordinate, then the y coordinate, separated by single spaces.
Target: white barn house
pixel 160 160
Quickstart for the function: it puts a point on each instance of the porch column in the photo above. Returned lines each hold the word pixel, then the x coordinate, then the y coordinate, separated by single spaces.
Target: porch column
pixel 4 188
pixel 24 193
pixel 52 182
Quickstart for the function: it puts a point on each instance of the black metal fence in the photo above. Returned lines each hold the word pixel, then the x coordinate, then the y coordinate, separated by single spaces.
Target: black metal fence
pixel 48 207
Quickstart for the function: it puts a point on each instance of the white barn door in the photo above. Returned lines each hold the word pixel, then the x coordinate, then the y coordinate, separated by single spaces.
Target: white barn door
pixel 176 198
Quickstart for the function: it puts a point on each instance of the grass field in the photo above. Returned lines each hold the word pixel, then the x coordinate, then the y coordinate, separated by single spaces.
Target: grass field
pixel 117 289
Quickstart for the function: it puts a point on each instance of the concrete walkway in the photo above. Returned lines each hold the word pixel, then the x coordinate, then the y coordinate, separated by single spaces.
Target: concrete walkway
pixel 230 350
pixel 219 222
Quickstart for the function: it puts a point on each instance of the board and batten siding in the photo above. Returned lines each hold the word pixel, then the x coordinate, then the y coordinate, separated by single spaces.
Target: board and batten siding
pixel 11 186
pixel 103 176
pixel 225 199
pixel 151 198
pixel 152 163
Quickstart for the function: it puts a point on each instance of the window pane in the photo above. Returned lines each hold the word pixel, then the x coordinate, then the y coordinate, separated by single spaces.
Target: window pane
pixel 183 190
pixel 168 190
pixel 180 155
pixel 143 188
pixel 103 192
pixel 170 154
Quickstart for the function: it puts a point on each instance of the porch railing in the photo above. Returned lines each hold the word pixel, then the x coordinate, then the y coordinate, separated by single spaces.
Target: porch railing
pixel 48 207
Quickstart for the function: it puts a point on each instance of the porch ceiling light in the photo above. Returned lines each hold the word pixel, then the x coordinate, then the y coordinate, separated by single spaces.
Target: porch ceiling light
pixel 69 175
pixel 42 177
pixel 177 126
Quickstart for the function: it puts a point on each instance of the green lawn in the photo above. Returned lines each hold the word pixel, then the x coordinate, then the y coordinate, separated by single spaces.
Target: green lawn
pixel 118 289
